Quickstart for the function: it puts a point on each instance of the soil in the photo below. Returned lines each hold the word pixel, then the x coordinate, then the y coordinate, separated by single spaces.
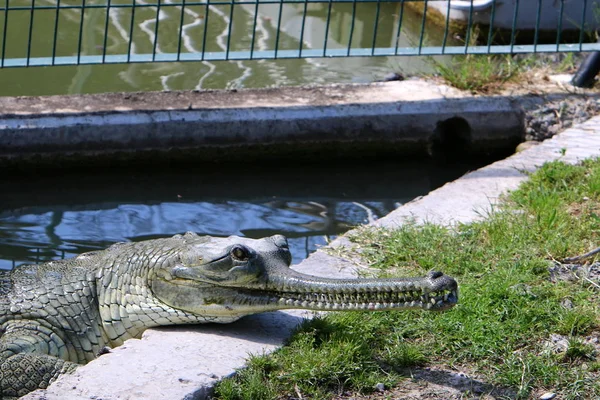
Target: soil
pixel 551 103
pixel 546 120
pixel 440 384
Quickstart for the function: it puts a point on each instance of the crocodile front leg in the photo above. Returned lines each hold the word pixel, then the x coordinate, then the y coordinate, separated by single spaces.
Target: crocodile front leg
pixel 24 373
pixel 31 357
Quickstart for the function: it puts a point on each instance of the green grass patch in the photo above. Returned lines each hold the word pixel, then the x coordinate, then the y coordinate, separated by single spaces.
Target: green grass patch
pixel 509 308
pixel 479 73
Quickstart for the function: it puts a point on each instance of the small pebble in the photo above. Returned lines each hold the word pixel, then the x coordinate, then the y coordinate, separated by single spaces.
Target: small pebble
pixel 548 396
pixel 526 145
pixel 567 303
pixel 394 76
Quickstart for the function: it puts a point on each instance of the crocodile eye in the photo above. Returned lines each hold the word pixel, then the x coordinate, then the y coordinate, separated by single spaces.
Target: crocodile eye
pixel 240 253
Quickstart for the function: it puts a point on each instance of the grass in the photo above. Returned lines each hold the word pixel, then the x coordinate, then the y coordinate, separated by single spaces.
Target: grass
pixel 488 74
pixel 508 312
pixel 479 73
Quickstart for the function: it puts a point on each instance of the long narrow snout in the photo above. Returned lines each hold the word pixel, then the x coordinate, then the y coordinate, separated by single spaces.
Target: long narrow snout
pixel 435 292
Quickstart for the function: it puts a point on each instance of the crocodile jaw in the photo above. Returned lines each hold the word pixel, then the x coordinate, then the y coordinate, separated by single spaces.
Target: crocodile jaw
pixel 436 292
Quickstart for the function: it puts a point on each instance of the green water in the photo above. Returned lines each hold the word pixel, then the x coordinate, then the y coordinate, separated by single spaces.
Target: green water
pixel 195 28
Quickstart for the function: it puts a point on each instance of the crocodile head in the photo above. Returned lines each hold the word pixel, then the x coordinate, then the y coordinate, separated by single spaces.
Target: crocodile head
pixel 226 278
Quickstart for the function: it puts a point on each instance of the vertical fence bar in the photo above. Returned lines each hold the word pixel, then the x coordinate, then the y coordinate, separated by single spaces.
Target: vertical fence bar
pixel 513 33
pixel 5 32
pixel 106 21
pixel 559 27
pixel 156 24
pixel 582 24
pixel 80 40
pixel 423 21
pixel 131 25
pixel 469 28
pixel 232 3
pixel 327 27
pixel 491 27
pixel 446 29
pixel 30 33
pixel 255 20
pixel 180 30
pixel 303 25
pixel 376 26
pixel 400 18
pixel 278 34
pixel 351 27
pixel 537 26
pixel 55 38
pixel 206 10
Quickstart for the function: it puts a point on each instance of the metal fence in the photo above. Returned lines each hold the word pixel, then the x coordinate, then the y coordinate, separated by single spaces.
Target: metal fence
pixel 74 32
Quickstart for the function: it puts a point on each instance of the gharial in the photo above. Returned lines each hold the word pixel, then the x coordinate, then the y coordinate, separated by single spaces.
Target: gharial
pixel 60 314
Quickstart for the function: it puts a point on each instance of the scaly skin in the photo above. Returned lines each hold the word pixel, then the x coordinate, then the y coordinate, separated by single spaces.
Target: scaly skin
pixel 58 315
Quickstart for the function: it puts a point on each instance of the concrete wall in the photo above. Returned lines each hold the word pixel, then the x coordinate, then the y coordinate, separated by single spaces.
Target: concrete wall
pixel 403 117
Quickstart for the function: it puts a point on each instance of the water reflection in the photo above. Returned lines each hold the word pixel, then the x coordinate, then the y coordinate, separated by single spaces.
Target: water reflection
pixel 76 230
pixel 48 218
pixel 192 29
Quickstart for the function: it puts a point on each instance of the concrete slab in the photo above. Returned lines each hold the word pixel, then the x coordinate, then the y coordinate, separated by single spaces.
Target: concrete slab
pixel 472 197
pixel 414 90
pixel 171 363
pixel 184 362
pixel 404 117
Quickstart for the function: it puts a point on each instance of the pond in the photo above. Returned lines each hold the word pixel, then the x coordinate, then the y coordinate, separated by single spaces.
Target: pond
pixel 49 217
pixel 204 28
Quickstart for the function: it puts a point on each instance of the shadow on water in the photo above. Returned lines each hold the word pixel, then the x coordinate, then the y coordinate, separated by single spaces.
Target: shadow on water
pixel 49 217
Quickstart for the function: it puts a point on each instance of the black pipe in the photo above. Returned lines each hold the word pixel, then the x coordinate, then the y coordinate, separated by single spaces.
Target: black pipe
pixel 586 74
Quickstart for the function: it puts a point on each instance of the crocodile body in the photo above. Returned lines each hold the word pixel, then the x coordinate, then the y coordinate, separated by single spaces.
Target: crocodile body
pixel 58 315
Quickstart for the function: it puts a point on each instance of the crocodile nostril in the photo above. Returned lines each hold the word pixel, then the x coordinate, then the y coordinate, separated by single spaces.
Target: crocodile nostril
pixel 280 241
pixel 435 274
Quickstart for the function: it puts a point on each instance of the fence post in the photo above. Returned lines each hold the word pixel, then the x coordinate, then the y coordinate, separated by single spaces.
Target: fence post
pixel 587 71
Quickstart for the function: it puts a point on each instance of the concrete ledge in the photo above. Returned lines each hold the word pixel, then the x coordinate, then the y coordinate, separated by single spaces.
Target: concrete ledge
pixel 185 362
pixel 409 117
